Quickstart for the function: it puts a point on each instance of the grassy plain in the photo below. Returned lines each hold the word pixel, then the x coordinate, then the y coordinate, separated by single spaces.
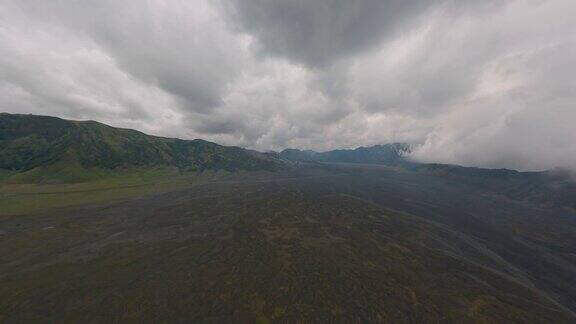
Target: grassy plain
pixel 18 196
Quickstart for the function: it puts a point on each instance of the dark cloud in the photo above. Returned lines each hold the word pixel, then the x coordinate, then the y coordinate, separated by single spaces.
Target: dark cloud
pixel 317 32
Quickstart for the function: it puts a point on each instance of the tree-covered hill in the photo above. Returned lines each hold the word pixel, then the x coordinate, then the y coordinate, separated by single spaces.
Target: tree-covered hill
pixel 30 143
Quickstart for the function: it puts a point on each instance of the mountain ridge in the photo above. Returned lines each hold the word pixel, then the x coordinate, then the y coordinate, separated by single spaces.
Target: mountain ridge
pixel 389 154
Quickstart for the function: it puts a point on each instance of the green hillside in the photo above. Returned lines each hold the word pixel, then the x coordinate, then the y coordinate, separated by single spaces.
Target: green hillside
pixel 49 149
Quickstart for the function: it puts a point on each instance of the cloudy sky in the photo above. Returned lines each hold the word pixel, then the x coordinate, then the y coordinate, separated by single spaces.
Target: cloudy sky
pixel 476 82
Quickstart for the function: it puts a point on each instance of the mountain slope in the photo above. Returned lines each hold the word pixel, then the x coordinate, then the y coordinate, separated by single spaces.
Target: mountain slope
pixel 547 188
pixel 31 144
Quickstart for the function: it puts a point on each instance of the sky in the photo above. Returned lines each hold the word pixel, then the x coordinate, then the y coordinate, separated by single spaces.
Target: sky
pixel 486 83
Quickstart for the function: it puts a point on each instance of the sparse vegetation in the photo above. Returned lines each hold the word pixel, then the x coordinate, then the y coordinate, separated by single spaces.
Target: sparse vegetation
pixel 118 226
pixel 310 246
pixel 287 251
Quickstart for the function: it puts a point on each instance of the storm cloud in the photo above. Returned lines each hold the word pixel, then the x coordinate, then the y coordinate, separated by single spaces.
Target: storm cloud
pixel 484 83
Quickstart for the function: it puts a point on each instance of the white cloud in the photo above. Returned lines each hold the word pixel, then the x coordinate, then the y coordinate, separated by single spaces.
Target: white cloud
pixel 479 83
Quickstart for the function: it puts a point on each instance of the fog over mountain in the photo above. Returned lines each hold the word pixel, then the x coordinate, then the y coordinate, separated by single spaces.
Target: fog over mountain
pixel 480 83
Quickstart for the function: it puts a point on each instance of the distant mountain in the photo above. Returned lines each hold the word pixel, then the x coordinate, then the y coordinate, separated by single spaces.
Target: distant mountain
pixel 388 154
pixel 29 143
